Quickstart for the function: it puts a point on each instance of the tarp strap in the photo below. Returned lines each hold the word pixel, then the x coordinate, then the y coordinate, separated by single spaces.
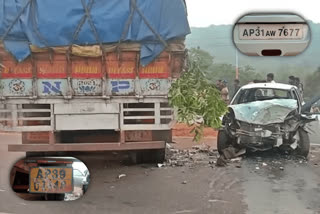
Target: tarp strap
pixel 134 5
pixel 125 30
pixel 92 26
pixel 127 25
pixel 14 21
pixel 78 29
pixel 96 34
pixel 35 29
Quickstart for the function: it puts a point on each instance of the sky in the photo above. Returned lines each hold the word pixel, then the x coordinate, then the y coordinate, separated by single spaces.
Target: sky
pixel 203 13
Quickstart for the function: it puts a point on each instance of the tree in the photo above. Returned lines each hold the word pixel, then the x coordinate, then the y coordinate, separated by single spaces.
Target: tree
pixel 196 100
pixel 205 59
pixel 248 74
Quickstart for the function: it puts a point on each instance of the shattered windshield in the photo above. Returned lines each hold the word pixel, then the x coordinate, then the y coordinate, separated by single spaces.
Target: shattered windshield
pixel 260 94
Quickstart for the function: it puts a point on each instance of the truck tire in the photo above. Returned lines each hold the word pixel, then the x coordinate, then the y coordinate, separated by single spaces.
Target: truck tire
pixel 303 143
pixel 54 197
pixel 223 141
pixel 149 156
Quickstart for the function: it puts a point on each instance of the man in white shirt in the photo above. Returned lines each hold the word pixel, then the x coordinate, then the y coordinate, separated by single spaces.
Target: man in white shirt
pixel 270 79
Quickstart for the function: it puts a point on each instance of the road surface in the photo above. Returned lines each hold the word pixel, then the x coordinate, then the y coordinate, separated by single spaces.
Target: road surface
pixel 264 183
pixel 315 132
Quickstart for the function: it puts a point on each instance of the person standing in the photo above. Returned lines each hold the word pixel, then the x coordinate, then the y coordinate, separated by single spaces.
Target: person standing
pixel 219 84
pixel 225 92
pixel 236 85
pixel 270 78
pixel 299 86
pixel 291 80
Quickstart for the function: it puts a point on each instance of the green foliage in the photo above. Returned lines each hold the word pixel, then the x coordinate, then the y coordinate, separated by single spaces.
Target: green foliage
pixel 197 101
pixel 205 60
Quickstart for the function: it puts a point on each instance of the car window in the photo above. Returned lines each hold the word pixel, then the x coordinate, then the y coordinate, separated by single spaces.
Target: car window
pixel 260 94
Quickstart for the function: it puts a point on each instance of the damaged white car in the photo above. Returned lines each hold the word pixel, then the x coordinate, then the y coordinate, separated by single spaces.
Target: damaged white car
pixel 263 116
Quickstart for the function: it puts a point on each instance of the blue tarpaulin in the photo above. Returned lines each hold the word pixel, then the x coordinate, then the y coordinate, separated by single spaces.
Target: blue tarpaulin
pixel 49 23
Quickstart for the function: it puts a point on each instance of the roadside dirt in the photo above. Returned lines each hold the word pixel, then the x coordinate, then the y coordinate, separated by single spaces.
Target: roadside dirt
pixel 183 130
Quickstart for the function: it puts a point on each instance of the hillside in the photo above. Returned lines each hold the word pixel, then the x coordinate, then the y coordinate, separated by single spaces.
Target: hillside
pixel 217 40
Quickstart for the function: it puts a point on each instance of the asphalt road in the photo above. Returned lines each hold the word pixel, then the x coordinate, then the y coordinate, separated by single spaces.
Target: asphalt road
pixel 314 129
pixel 264 183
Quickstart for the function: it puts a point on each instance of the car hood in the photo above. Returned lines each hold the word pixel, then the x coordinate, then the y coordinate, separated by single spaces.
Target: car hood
pixel 264 112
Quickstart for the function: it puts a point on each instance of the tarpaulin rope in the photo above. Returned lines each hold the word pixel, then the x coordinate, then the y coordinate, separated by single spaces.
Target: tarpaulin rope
pixel 81 23
pixel 79 27
pixel 34 22
pixel 87 15
pixel 92 26
pixel 134 5
pixel 37 32
pixel 128 23
pixel 14 21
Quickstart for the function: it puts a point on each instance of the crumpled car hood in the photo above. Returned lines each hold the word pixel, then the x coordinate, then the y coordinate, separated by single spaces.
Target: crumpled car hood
pixel 264 112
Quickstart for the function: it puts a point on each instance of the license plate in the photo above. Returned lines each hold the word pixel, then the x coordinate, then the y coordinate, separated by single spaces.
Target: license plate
pixel 271 31
pixel 51 180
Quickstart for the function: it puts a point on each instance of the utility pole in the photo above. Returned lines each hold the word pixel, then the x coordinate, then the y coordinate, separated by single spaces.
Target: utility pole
pixel 237 64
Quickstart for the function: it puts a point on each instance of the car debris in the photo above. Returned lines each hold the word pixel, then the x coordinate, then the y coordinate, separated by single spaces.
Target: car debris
pixel 263 116
pixel 121 176
pixel 230 154
pixel 160 165
pixel 197 155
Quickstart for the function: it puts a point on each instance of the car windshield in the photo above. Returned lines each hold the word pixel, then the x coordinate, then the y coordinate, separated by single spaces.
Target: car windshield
pixel 260 94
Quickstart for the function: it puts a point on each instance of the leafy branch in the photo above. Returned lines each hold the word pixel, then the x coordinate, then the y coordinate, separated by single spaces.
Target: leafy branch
pixel 197 102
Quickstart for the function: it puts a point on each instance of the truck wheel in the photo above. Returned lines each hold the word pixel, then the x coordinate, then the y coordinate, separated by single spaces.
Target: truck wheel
pixel 149 156
pixel 54 197
pixel 158 156
pixel 223 141
pixel 303 143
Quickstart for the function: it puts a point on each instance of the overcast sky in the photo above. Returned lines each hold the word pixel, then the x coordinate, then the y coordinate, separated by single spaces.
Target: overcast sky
pixel 203 13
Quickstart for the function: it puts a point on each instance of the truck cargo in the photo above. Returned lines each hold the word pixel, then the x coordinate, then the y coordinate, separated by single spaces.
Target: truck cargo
pixel 94 77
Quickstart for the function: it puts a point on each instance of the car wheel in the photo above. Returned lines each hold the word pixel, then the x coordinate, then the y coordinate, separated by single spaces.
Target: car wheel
pixel 303 143
pixel 223 141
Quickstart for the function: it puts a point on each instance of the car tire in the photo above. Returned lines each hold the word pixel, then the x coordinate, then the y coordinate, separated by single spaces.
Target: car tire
pixel 223 141
pixel 303 143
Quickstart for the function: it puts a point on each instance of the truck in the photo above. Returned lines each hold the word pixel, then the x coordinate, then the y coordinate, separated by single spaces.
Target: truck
pixel 90 77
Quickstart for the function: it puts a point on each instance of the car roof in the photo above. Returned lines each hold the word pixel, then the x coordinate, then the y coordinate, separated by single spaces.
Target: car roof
pixel 268 85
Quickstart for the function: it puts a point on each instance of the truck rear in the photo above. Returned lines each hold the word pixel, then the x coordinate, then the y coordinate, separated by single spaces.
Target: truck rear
pixel 74 96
